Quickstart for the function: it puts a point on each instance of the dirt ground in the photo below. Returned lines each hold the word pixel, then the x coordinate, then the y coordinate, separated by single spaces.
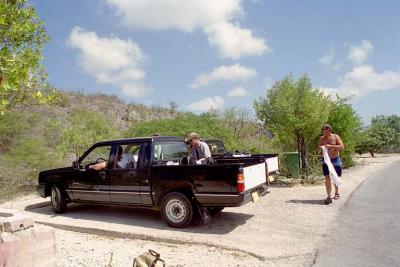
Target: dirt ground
pixel 284 228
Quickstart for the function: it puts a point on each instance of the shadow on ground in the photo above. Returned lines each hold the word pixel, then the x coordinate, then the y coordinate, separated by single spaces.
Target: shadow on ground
pixel 221 223
pixel 307 201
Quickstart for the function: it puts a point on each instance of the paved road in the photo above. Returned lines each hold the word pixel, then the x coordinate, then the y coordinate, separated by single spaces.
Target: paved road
pixel 368 229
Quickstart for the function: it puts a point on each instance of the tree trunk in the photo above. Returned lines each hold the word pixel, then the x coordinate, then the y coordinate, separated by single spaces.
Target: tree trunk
pixel 302 148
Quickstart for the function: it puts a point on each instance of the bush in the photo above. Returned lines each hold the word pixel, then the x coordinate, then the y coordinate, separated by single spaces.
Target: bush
pixel 21 165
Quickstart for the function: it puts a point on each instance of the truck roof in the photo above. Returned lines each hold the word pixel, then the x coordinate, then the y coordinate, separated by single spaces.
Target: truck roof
pixel 140 139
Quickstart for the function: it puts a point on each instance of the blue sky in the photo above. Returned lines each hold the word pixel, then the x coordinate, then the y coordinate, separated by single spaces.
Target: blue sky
pixel 206 54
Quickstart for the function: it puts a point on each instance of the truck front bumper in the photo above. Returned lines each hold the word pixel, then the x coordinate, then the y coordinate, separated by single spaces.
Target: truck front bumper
pixel 40 190
pixel 230 200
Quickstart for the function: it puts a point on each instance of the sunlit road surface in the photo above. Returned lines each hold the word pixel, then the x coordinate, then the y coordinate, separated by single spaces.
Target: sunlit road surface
pixel 368 228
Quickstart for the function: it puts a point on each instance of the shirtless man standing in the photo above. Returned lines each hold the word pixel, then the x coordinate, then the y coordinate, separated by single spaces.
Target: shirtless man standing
pixel 334 144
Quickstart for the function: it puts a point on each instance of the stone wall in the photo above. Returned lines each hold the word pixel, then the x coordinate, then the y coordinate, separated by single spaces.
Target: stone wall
pixel 23 243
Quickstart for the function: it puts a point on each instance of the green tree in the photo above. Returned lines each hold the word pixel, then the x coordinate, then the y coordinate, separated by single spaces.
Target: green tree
pixel 85 128
pixel 294 112
pixel 22 36
pixel 345 122
pixel 393 122
pixel 376 138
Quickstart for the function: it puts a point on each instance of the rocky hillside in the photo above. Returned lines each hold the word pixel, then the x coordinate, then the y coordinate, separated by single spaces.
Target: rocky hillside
pixel 122 114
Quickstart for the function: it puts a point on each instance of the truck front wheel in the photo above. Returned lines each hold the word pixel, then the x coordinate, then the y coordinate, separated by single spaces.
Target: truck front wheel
pixel 177 210
pixel 58 199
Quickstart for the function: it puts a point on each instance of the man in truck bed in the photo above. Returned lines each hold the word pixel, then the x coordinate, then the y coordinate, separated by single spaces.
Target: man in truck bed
pixel 200 150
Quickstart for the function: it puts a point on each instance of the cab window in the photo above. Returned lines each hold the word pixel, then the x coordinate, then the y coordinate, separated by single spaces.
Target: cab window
pixel 169 150
pixel 128 156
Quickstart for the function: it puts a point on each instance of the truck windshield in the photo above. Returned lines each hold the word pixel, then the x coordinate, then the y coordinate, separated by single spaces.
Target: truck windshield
pixel 169 150
pixel 100 152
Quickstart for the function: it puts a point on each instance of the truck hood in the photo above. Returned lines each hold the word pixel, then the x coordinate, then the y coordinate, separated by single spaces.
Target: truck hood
pixel 57 170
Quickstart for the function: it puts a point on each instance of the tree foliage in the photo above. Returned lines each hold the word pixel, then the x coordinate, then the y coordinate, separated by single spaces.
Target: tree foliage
pixel 22 37
pixel 345 122
pixel 294 112
pixel 376 138
pixel 391 121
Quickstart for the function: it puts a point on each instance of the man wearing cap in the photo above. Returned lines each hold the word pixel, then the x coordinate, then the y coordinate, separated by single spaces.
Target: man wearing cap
pixel 333 144
pixel 200 150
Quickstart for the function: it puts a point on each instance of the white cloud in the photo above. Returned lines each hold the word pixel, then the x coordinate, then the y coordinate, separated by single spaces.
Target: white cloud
pixel 234 42
pixel 358 54
pixel 215 18
pixel 363 80
pixel 178 14
pixel 237 92
pixel 235 72
pixel 110 60
pixel 328 60
pixel 206 104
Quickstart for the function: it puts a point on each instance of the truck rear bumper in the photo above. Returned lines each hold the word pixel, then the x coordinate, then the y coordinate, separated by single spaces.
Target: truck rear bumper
pixel 229 200
pixel 40 190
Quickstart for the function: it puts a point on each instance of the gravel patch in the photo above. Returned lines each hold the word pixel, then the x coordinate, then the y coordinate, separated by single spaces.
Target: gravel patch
pixel 77 249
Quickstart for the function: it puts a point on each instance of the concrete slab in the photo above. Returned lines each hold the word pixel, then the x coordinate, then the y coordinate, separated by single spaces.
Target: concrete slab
pixel 15 223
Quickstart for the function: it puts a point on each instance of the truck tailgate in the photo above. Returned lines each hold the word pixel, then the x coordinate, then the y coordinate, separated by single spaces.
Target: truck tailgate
pixel 272 164
pixel 254 175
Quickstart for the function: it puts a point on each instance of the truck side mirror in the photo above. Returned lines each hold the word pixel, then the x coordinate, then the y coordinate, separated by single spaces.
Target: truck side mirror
pixel 75 164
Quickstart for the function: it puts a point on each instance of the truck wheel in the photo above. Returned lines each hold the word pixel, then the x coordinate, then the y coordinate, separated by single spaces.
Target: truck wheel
pixel 177 210
pixel 58 199
pixel 215 210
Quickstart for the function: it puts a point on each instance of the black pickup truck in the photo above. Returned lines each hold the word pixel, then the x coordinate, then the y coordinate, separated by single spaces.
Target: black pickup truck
pixel 155 172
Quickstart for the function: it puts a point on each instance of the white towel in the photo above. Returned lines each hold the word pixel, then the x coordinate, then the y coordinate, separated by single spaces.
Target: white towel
pixel 332 171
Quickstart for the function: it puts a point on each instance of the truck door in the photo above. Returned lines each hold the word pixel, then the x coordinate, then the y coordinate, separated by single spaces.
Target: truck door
pixel 126 177
pixel 143 168
pixel 89 184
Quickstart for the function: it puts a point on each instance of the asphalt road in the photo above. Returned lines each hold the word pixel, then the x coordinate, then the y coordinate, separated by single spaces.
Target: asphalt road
pixel 367 232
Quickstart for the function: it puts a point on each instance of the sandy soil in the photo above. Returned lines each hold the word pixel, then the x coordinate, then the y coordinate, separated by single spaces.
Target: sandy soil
pixel 283 229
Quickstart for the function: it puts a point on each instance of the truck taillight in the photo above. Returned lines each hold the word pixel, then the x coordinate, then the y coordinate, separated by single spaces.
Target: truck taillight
pixel 240 182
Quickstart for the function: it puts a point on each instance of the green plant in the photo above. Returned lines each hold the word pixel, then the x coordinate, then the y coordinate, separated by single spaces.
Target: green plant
pixel 22 36
pixel 294 112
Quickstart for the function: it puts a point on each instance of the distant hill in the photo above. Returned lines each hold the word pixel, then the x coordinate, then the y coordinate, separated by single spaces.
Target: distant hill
pixel 122 114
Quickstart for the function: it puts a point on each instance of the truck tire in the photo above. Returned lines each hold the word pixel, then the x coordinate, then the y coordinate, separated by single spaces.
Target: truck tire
pixel 215 210
pixel 176 210
pixel 58 199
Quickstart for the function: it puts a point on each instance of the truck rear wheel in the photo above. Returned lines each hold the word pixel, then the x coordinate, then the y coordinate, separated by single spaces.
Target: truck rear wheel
pixel 58 199
pixel 177 210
